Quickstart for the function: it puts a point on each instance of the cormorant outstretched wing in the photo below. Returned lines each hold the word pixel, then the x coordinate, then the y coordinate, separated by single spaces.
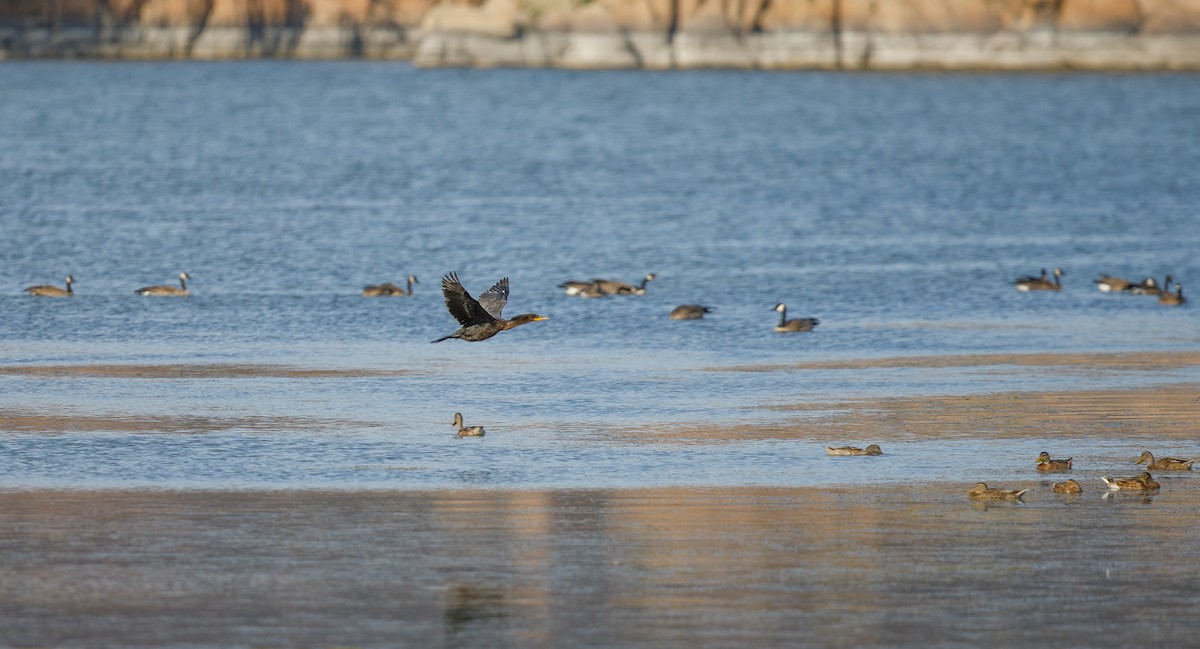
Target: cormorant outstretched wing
pixel 494 299
pixel 461 305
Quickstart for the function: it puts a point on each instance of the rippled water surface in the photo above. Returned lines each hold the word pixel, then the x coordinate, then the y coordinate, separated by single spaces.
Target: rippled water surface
pixel 895 208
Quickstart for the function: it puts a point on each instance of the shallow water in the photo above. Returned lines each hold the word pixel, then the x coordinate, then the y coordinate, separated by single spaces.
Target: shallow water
pixel 896 208
pixel 596 568
pixel 270 462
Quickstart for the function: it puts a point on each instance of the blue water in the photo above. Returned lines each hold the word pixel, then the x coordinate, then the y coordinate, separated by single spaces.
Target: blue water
pixel 895 208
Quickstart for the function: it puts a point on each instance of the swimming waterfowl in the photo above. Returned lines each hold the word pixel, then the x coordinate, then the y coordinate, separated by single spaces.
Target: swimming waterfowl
pixel 1110 284
pixel 473 431
pixel 982 492
pixel 1165 298
pixel 480 319
pixel 1149 286
pixel 599 287
pixel 690 312
pixel 1044 463
pixel 591 290
pixel 388 289
pixel 873 449
pixel 621 288
pixel 1143 482
pixel 46 290
pixel 797 324
pixel 1067 487
pixel 574 287
pixel 182 290
pixel 1042 283
pixel 1164 463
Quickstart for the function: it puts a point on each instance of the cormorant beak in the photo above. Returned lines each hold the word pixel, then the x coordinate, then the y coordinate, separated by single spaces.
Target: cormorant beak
pixel 540 317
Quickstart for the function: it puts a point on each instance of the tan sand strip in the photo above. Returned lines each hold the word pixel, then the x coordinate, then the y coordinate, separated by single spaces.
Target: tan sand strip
pixel 30 422
pixel 1150 361
pixel 192 371
pixel 1160 412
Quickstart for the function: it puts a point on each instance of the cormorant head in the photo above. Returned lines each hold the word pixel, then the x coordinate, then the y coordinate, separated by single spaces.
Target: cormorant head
pixel 526 318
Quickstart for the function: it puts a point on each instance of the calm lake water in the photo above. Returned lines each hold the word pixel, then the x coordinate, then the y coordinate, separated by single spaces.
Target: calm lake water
pixel 895 208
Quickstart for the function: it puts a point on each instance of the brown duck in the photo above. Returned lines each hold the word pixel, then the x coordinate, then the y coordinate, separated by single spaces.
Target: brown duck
pixel 472 431
pixel 388 289
pixel 1167 298
pixel 982 492
pixel 1040 283
pixel 46 290
pixel 873 449
pixel 1044 463
pixel 163 289
pixel 1067 487
pixel 1110 284
pixel 1143 482
pixel 1163 463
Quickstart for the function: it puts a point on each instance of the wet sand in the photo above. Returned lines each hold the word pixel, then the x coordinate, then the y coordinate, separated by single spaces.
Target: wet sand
pixel 1167 412
pixel 1150 361
pixel 918 566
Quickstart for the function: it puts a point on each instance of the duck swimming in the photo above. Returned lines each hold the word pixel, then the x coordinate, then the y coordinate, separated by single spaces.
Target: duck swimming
pixel 621 288
pixel 180 291
pixel 689 312
pixel 46 290
pixel 1163 463
pixel 1067 487
pixel 1110 284
pixel 1143 482
pixel 1149 286
pixel 473 431
pixel 480 319
pixel 1044 463
pixel 1042 283
pixel 388 289
pixel 797 324
pixel 1167 298
pixel 982 492
pixel 574 287
pixel 873 449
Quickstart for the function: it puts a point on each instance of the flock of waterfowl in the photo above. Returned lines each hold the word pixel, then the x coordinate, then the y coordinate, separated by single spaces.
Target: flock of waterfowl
pixel 1045 464
pixel 1108 284
pixel 1144 482
pixel 481 319
pixel 46 290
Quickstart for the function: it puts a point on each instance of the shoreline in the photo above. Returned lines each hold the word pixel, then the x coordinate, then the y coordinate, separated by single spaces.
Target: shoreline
pixel 616 48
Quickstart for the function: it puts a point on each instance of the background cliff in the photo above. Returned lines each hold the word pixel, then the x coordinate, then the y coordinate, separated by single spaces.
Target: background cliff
pixel 863 34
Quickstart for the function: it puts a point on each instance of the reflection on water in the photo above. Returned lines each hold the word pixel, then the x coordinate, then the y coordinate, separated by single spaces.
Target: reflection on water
pixel 903 566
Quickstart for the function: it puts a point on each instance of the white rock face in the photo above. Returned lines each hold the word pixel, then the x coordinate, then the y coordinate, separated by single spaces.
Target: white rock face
pixel 652 34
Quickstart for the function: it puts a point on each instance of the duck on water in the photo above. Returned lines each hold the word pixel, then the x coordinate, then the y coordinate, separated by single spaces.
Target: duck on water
pixel 795 324
pixel 1040 283
pixel 46 290
pixel 162 289
pixel 388 289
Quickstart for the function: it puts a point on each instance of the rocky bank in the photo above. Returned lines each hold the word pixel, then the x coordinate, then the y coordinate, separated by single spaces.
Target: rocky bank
pixel 652 34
